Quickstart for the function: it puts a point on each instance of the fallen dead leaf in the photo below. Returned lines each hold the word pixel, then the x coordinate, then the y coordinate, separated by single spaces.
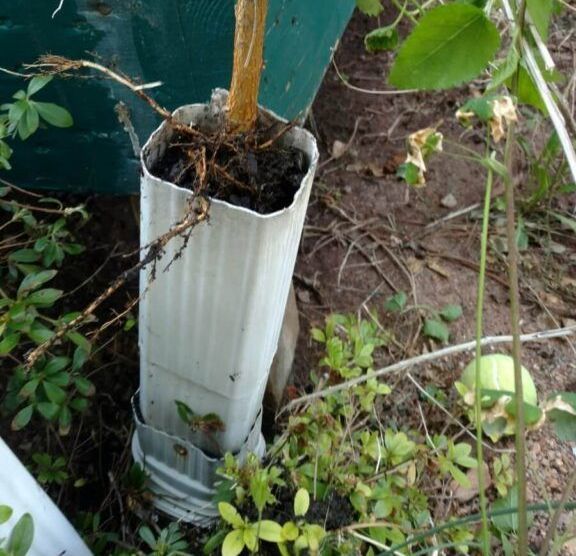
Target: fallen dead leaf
pixel 338 149
pixel 463 494
pixel 449 201
pixel 434 264
pixel 414 265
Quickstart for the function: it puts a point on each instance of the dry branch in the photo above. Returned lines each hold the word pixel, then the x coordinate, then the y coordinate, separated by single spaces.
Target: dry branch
pixel 197 213
pixel 427 357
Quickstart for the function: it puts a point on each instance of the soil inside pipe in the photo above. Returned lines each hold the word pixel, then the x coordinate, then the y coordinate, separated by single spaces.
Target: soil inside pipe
pixel 262 179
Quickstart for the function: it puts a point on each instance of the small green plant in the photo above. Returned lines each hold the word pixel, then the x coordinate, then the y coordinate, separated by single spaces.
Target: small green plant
pixel 49 470
pixel 90 525
pixel 502 474
pixel 451 457
pixel 209 423
pixel 53 389
pixel 24 116
pixel 249 480
pixel 436 322
pixel 20 537
pixel 245 534
pixel 55 386
pixel 168 542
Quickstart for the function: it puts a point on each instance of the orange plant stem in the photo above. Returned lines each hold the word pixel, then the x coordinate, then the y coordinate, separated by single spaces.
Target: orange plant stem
pixel 248 50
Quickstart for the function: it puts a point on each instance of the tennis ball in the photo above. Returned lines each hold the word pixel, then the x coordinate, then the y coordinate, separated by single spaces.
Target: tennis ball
pixel 497 373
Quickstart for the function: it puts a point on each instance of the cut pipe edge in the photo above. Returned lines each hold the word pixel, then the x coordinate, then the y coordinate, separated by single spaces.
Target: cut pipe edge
pixel 53 533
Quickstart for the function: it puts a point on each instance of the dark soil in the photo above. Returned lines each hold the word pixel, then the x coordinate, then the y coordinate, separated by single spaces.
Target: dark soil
pixel 264 180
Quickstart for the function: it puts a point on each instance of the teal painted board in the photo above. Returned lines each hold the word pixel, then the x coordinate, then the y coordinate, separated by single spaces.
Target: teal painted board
pixel 186 44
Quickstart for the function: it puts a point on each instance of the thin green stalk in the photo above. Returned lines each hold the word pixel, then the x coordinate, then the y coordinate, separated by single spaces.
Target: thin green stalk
pixel 516 346
pixel 485 536
pixel 475 518
pixel 556 517
pixel 515 304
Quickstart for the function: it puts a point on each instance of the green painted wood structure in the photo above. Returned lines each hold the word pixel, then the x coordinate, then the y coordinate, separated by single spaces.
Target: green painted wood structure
pixel 186 44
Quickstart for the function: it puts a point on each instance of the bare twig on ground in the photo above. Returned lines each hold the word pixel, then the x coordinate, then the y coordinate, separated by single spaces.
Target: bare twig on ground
pixel 427 357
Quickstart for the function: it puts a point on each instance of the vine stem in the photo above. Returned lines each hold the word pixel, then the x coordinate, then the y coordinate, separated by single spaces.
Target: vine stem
pixel 478 384
pixel 520 443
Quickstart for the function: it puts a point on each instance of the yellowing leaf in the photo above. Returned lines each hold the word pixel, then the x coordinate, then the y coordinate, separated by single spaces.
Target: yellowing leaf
pixel 290 531
pixel 270 531
pixel 230 514
pixel 301 502
pixel 233 543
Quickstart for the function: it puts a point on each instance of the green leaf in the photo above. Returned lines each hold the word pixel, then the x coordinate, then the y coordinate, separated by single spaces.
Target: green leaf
pixel 24 256
pixel 54 393
pixel 29 123
pixel 318 335
pixel 269 531
pixel 84 386
pixel 147 536
pixel 230 514
pixel 384 38
pixel 460 477
pixel 532 413
pixel 5 514
pixel 450 45
pixel 214 542
pixel 509 522
pixel 48 410
pixel 567 222
pixel 259 490
pixel 21 537
pixel 22 418
pixel 8 343
pixel 451 313
pixel 436 330
pixel 79 340
pixel 37 83
pixel 233 543
pixel 301 502
pixel 34 281
pixel 55 365
pixel 53 114
pixel 409 172
pixel 29 389
pixel 396 303
pixel 540 12
pixel 370 7
pixel 40 333
pixel 64 421
pixel 289 531
pixel 44 298
pixel 504 70
pixel 496 166
pixel 527 91
pixel 562 413
pixel 482 107
pixel 250 538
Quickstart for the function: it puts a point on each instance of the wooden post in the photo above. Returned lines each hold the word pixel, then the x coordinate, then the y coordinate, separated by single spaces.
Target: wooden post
pixel 248 48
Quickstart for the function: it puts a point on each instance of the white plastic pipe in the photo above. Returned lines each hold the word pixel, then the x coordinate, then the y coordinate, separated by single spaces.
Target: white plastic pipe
pixel 209 326
pixel 53 534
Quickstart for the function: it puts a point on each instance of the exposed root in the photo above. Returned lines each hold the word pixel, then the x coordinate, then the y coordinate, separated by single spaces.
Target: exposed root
pixel 197 213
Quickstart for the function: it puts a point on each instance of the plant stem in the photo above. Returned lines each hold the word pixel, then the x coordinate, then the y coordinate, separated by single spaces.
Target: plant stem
pixel 248 49
pixel 515 305
pixel 478 385
pixel 556 516
pixel 475 518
